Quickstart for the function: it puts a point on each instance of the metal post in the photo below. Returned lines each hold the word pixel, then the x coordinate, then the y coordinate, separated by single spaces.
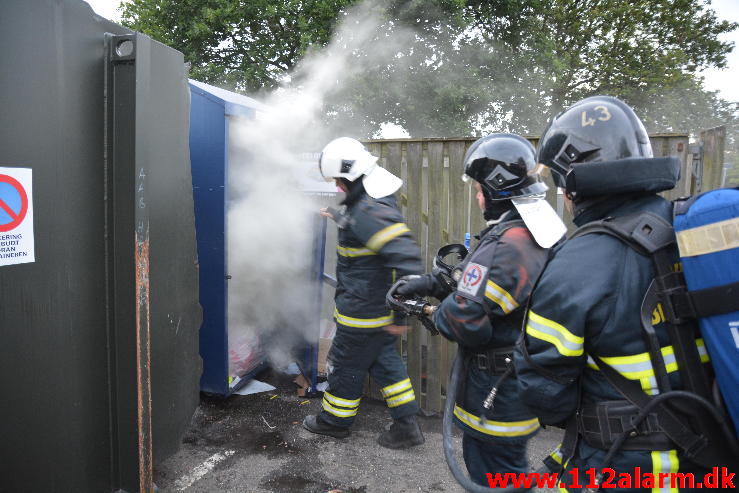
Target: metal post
pixel 127 260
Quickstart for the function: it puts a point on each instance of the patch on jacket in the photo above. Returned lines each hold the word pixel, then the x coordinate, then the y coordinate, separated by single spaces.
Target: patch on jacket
pixel 472 279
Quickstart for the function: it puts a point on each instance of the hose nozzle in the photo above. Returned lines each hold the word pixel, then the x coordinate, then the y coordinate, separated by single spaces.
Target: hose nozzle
pixel 487 405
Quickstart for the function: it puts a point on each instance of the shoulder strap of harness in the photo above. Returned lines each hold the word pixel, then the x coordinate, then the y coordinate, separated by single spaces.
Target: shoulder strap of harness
pixel 638 231
pixel 500 229
pixel 652 236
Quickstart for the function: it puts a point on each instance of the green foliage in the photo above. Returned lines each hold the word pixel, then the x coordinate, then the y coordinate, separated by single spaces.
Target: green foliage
pixel 246 45
pixel 463 66
pixel 575 48
pixel 509 63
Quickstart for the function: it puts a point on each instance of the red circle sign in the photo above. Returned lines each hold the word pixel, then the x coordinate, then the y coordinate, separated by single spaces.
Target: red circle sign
pixel 15 217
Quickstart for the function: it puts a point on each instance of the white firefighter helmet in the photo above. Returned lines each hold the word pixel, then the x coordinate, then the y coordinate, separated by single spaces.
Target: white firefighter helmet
pixel 348 158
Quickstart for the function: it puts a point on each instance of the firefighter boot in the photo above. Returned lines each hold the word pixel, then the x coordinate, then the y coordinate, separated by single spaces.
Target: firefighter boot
pixel 403 433
pixel 315 424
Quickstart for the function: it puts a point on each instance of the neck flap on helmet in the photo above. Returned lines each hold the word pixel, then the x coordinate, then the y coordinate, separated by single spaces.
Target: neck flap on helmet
pixel 622 176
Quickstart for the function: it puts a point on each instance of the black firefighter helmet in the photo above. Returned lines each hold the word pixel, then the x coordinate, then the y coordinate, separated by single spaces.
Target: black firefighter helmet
pixel 593 130
pixel 505 166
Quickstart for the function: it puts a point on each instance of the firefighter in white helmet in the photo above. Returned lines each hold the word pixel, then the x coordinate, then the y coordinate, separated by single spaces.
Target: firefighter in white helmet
pixel 374 247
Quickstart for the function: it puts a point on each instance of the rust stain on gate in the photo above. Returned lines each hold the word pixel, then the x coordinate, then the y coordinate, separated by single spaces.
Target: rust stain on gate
pixel 143 366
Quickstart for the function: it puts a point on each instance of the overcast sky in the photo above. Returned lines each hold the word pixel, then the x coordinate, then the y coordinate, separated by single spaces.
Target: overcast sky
pixel 726 81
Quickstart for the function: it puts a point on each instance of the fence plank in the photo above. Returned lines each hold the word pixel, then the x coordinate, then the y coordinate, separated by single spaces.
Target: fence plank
pixel 457 192
pixel 414 159
pixel 392 152
pixel 437 222
pixel 677 146
pixel 713 154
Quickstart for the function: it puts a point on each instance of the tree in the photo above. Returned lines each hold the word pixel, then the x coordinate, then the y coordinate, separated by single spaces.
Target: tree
pixel 245 45
pixel 585 47
pixel 252 45
pixel 452 67
pixel 513 61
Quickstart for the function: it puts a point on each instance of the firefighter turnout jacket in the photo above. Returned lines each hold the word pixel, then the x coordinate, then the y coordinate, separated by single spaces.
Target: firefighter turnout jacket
pixel 484 316
pixel 587 304
pixel 374 249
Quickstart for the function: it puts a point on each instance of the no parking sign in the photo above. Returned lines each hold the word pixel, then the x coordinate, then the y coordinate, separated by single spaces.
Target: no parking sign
pixel 16 216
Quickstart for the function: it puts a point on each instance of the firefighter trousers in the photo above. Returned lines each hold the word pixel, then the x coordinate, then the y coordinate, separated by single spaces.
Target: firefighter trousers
pixel 352 356
pixel 482 457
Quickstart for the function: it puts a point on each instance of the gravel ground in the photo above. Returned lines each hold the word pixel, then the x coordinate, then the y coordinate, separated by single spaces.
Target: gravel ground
pixel 256 444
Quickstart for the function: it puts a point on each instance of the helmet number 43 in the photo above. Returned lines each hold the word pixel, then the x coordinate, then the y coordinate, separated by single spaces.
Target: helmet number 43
pixel 603 115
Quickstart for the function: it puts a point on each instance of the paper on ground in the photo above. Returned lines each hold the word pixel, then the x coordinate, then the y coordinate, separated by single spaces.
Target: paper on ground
pixel 254 387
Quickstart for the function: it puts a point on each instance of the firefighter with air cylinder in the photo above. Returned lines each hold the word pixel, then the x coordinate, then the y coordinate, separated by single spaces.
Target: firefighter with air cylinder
pixel 602 356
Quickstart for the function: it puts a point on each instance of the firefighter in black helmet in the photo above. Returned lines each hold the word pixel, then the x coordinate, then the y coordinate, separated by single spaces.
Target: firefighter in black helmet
pixel 485 312
pixel 586 336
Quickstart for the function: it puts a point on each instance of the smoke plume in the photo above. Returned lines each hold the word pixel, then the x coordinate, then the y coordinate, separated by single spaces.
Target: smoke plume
pixel 271 218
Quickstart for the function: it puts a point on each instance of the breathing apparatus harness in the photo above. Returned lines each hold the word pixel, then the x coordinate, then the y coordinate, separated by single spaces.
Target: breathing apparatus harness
pixel 654 237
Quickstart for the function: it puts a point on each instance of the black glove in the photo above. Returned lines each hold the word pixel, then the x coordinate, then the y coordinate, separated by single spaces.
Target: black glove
pixel 423 285
pixel 416 285
pixel 409 302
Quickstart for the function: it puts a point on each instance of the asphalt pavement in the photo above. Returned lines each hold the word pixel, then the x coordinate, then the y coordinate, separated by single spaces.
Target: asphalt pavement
pixel 256 444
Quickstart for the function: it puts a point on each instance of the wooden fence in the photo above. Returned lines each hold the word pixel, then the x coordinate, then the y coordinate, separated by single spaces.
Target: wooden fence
pixel 440 208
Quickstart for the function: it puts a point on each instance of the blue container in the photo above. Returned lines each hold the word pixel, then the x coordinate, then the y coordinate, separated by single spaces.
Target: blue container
pixel 708 236
pixel 211 112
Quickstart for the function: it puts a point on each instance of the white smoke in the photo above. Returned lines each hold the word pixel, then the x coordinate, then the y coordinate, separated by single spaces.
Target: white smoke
pixel 271 218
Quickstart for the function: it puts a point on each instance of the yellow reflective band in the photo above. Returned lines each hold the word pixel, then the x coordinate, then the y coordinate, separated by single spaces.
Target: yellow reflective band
pixel 639 366
pixel 338 401
pixel 396 387
pixel 567 343
pixel 401 399
pixel 716 237
pixel 664 461
pixel 363 322
pixel 497 428
pixel 379 239
pixel 340 413
pixel 557 454
pixel 353 252
pixel 501 297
